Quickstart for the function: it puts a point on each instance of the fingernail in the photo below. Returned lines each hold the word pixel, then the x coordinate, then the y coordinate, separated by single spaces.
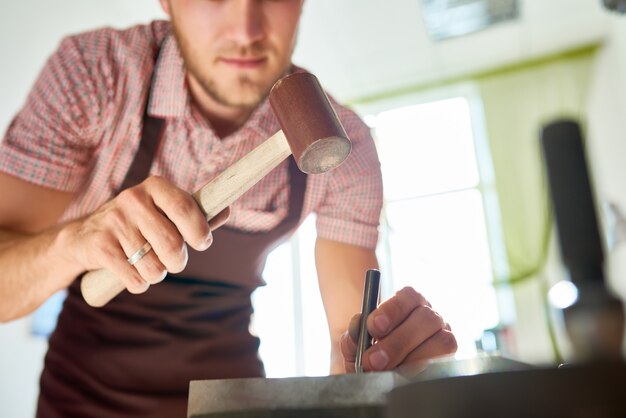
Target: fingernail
pixel 379 360
pixel 381 322
pixel 207 241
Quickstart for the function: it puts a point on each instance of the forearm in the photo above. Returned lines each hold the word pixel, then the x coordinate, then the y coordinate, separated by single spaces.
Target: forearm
pixel 33 267
pixel 341 272
pixel 336 359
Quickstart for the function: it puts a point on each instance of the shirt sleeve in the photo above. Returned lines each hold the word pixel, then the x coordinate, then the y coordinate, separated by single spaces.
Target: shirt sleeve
pixel 50 141
pixel 350 210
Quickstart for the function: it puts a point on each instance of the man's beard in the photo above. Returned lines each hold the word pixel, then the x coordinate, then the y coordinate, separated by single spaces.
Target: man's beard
pixel 250 93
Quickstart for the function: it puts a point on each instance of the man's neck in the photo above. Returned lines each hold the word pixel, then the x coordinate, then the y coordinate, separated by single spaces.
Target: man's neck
pixel 225 120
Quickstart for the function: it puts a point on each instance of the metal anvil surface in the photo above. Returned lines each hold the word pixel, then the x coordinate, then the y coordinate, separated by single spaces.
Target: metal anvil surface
pixel 347 396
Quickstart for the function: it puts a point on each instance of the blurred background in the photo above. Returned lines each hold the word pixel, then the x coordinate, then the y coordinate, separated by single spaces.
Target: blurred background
pixel 456 93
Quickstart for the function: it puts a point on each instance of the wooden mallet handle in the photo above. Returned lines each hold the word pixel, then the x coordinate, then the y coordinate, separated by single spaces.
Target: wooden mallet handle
pixel 311 131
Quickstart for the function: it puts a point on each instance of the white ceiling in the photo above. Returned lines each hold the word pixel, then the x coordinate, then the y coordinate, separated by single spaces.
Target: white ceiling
pixel 359 48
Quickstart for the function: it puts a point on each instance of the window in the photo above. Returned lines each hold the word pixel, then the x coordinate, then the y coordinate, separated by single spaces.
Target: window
pixel 289 316
pixel 439 233
pixel 435 225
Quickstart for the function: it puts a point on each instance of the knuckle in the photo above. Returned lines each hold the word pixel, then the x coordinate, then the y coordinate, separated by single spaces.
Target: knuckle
pixel 430 316
pixel 154 181
pixel 448 342
pixel 183 206
pixel 107 250
pixel 132 196
pixel 114 219
pixel 407 299
pixel 172 244
pixel 409 293
pixel 442 323
pixel 128 202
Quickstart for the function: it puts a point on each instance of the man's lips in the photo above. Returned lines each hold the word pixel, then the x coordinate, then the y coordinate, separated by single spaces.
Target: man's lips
pixel 243 62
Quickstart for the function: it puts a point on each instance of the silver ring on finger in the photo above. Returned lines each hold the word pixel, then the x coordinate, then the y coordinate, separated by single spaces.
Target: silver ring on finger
pixel 138 255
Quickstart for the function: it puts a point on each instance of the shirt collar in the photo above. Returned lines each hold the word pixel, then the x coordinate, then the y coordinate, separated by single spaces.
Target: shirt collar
pixel 168 95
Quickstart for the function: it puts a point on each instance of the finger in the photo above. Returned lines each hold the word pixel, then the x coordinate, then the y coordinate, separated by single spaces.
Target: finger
pixel 180 207
pixel 144 219
pixel 353 328
pixel 115 260
pixel 149 219
pixel 148 266
pixel 217 221
pixel 348 343
pixel 390 351
pixel 348 351
pixel 220 219
pixel 168 246
pixel 440 344
pixel 394 311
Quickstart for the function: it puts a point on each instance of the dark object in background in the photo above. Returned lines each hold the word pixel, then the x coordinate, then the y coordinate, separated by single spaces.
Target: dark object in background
pixel 595 321
pixel 615 5
pixel 570 392
pixel 573 202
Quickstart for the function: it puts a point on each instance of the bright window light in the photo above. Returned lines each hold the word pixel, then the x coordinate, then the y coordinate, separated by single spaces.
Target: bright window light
pixel 426 149
pixel 289 315
pixel 436 237
pixel 563 294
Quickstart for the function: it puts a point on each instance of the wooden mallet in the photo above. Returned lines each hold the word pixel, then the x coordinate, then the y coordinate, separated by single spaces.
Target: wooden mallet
pixel 310 130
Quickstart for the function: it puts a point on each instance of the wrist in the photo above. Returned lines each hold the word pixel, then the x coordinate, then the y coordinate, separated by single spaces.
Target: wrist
pixel 63 249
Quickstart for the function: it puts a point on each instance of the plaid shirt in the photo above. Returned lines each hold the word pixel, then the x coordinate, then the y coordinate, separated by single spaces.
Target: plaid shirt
pixel 81 125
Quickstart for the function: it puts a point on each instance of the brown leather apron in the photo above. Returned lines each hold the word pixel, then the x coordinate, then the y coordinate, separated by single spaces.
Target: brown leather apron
pixel 136 355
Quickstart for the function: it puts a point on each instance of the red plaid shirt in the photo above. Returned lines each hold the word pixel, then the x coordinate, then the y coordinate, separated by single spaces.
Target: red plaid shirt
pixel 81 125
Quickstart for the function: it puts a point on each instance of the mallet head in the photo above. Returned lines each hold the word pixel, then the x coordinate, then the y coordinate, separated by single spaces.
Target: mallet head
pixel 316 137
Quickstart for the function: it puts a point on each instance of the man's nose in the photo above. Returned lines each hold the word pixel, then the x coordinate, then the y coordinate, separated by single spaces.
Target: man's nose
pixel 246 22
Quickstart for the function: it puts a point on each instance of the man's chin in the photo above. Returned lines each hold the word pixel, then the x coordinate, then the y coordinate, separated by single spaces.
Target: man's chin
pixel 238 99
pixel 241 96
pixel 239 89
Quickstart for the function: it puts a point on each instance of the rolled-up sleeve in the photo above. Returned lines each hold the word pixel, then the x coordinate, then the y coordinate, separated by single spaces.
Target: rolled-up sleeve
pixel 50 141
pixel 350 210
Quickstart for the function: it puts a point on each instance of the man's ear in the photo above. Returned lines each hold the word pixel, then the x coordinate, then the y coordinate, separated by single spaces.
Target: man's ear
pixel 165 5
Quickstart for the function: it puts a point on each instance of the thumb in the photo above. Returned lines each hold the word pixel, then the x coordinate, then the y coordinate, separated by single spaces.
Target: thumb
pixel 348 343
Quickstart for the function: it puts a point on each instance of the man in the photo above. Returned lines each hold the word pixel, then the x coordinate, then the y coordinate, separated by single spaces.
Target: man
pixel 155 112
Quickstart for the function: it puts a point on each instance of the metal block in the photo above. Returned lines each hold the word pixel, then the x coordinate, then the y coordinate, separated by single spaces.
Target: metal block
pixel 347 396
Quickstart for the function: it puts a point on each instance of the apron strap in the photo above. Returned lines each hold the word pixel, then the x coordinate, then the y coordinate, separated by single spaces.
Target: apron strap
pixel 151 135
